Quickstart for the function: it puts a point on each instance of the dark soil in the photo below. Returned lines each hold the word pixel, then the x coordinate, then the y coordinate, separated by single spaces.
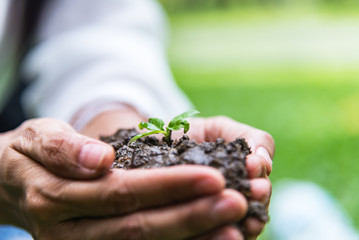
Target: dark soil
pixel 228 158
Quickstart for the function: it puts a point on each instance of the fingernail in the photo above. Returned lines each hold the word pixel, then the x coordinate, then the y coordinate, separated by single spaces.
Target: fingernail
pixel 91 156
pixel 261 171
pixel 261 151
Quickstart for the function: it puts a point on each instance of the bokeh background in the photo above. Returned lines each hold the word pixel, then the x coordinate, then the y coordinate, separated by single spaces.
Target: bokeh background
pixel 290 67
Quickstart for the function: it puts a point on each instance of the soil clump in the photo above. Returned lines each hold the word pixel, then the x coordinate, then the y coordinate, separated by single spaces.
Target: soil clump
pixel 228 158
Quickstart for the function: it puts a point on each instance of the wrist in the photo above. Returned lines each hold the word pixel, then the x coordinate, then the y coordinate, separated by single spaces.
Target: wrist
pixel 107 122
pixel 87 113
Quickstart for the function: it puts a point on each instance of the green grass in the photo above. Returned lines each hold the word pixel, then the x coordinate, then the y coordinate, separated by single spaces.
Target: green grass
pixel 308 121
pixel 311 109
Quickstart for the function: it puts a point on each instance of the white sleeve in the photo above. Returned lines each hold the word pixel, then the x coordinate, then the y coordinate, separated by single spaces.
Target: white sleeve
pixel 101 51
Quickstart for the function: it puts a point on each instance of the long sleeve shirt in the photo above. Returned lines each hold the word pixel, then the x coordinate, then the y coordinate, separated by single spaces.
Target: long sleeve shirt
pixel 95 53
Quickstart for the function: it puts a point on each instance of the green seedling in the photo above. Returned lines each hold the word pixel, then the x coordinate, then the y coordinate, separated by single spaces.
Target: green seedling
pixel 156 126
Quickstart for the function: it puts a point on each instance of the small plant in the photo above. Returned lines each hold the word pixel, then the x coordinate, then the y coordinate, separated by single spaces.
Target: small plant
pixel 156 126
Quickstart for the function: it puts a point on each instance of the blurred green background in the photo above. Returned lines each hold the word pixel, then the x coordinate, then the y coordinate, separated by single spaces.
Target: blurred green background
pixel 288 67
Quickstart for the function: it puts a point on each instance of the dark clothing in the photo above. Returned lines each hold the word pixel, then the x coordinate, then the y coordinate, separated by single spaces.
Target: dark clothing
pixel 13 115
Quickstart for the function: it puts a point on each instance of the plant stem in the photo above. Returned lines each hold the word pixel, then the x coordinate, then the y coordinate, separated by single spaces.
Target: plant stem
pixel 167 138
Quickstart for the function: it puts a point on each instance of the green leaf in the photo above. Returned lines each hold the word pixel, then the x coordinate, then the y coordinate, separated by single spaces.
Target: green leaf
pixel 180 117
pixel 145 134
pixel 186 126
pixel 152 124
pixel 180 124
pixel 157 122
pixel 155 125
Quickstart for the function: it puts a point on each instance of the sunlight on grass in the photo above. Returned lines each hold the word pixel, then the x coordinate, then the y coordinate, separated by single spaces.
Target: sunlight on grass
pixel 257 14
pixel 308 42
pixel 288 75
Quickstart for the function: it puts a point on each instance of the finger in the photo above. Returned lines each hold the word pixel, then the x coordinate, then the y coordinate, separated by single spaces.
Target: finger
pixel 60 149
pixel 228 233
pixel 175 222
pixel 258 138
pixel 260 189
pixel 253 227
pixel 261 143
pixel 264 154
pixel 256 167
pixel 126 191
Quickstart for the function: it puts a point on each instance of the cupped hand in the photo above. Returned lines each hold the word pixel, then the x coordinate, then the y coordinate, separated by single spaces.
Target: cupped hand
pixel 259 162
pixel 47 189
pixel 50 144
pixel 58 147
pixel 174 203
pixel 260 142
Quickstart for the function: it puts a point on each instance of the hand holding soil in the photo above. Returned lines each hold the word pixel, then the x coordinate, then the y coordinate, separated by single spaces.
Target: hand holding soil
pixel 258 163
pixel 41 158
pixel 228 158
pixel 39 162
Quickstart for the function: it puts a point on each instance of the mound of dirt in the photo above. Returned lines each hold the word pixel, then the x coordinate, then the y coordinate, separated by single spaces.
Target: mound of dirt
pixel 228 158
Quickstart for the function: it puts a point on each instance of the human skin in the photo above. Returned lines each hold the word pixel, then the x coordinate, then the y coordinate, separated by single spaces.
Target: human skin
pixel 259 163
pixel 56 184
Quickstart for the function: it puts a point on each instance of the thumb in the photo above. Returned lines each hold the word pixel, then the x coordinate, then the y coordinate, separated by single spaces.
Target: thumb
pixel 63 151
